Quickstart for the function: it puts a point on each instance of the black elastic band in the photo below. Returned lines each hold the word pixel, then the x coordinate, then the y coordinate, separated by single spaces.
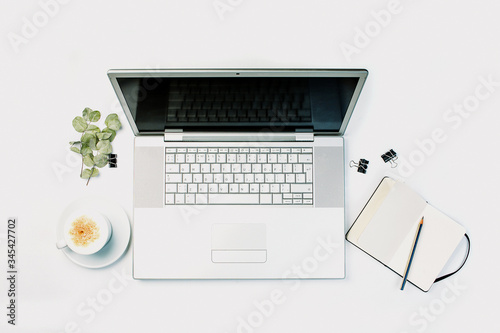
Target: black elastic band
pixel 463 263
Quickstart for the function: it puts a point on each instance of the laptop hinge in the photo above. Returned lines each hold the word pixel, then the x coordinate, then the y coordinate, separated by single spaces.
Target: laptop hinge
pixel 179 135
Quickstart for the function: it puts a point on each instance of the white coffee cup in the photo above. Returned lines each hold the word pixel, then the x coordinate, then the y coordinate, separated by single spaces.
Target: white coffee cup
pixel 85 232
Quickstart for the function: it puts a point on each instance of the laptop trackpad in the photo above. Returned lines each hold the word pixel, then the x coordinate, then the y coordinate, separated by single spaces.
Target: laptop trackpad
pixel 239 243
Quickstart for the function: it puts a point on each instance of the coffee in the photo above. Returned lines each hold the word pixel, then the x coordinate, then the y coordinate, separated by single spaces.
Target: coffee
pixel 84 231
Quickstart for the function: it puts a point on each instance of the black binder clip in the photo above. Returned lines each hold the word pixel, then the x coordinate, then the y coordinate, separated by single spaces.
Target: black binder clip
pixel 391 156
pixel 113 160
pixel 362 165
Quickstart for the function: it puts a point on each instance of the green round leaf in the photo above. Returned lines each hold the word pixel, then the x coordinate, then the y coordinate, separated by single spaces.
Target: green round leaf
pixel 109 130
pixel 88 161
pixel 79 124
pixel 76 150
pixel 104 147
pixel 113 122
pixel 86 173
pixel 103 136
pixel 86 113
pixel 86 150
pixel 95 116
pixel 92 129
pixel 101 160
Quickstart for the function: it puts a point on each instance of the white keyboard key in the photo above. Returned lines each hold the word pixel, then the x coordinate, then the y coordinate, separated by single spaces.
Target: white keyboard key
pixel 246 168
pixel 190 158
pixel 234 188
pixel 192 188
pixel 182 188
pixel 307 195
pixel 238 178
pixel 170 199
pixel 192 150
pixel 262 158
pixel 275 150
pixel 202 150
pixel 308 201
pixel 249 178
pixel 233 150
pixel 254 188
pixel 267 168
pixel 200 158
pixel 190 198
pixel 170 150
pixel 296 150
pixel 210 158
pixel 279 178
pixel 277 168
pixel 213 188
pixel 181 150
pixel 245 198
pixel 252 158
pixel 195 168
pixel 228 178
pixel 285 188
pixel 179 198
pixel 171 188
pixel 287 201
pixel 218 178
pixel 277 199
pixel 202 188
pixel 208 178
pixel 300 178
pixel 269 178
pixel 297 201
pixel 226 168
pixel 264 188
pixel 223 150
pixel 173 178
pixel 197 178
pixel 287 195
pixel 241 158
pixel 305 158
pixel 223 188
pixel 256 168
pixel 244 188
pixel 215 168
pixel 187 178
pixel 266 199
pixel 180 158
pixel 205 168
pixel 290 178
pixel 297 168
pixel 287 168
pixel 170 158
pixel 185 168
pixel 212 150
pixel 235 168
pixel 172 168
pixel 301 188
pixel 244 150
pixel 285 150
pixel 201 199
pixel 309 176
pixel 254 150
pixel 259 178
pixel 282 158
pixel 307 150
pixel 221 158
pixel 231 158
pixel 275 188
pixel 292 158
pixel 297 195
pixel 272 158
pixel 265 150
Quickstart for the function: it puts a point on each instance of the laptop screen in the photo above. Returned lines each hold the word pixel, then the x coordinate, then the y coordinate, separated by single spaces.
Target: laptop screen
pixel 275 104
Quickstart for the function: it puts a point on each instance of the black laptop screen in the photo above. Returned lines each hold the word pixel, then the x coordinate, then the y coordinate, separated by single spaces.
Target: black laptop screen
pixel 238 103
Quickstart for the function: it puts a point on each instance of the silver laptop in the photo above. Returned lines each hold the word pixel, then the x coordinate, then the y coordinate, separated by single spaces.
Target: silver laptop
pixel 238 174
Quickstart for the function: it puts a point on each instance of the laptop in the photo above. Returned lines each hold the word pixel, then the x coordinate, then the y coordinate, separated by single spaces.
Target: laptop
pixel 238 173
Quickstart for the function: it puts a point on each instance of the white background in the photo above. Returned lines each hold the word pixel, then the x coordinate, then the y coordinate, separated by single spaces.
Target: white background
pixel 425 58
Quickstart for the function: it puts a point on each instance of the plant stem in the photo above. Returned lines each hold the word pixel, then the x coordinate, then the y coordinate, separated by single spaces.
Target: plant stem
pixel 91 172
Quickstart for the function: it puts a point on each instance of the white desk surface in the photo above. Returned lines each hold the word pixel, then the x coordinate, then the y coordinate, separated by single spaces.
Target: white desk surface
pixel 423 60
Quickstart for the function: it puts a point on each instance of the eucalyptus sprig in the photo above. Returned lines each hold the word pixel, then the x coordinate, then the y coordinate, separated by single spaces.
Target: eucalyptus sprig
pixel 94 144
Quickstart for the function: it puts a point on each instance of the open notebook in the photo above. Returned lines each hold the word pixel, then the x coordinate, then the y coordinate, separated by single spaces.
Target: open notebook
pixel 386 227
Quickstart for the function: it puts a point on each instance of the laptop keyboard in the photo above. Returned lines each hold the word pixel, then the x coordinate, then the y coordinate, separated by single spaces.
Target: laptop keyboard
pixel 253 176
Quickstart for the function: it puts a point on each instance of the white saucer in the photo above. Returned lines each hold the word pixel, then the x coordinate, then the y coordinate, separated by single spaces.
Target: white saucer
pixel 120 237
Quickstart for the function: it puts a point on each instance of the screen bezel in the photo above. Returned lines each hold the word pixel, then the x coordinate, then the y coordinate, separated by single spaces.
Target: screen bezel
pixel 113 74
